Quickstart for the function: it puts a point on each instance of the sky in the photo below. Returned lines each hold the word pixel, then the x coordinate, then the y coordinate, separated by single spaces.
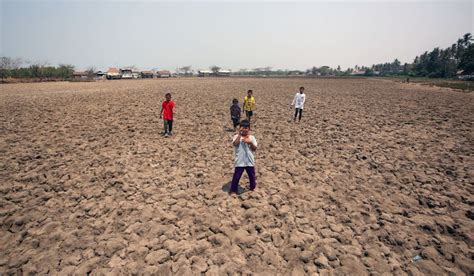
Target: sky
pixel 232 35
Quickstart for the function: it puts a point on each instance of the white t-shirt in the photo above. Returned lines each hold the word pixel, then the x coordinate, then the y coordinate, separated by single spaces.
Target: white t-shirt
pixel 243 154
pixel 299 100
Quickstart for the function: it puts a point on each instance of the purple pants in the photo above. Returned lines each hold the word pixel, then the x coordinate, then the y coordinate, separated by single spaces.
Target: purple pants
pixel 238 174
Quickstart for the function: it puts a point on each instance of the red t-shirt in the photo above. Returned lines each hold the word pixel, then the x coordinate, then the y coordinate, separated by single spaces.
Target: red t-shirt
pixel 168 110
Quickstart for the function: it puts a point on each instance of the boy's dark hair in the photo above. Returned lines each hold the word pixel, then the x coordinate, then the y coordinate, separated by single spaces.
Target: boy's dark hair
pixel 250 90
pixel 245 123
pixel 235 101
pixel 301 87
pixel 168 94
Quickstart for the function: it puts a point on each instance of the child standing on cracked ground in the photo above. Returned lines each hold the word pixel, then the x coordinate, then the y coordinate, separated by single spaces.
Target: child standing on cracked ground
pixel 249 105
pixel 244 147
pixel 298 102
pixel 167 114
pixel 235 113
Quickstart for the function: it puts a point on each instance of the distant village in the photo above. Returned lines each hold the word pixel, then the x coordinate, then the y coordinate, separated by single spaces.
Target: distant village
pixel 132 73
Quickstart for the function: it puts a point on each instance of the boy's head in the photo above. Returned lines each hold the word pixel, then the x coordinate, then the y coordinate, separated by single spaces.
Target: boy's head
pixel 244 127
pixel 301 89
pixel 235 101
pixel 168 96
pixel 250 92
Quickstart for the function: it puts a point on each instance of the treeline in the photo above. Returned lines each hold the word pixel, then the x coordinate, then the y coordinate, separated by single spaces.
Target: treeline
pixel 444 63
pixel 12 68
pixel 439 63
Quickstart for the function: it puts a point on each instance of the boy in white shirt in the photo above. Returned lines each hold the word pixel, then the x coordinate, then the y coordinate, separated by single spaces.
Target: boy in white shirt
pixel 298 102
pixel 244 147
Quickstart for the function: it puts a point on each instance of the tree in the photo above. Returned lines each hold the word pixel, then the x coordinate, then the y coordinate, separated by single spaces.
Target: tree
pixel 406 69
pixel 48 72
pixel 467 61
pixel 215 69
pixel 325 70
pixel 395 66
pixel 65 71
pixel 5 63
pixel 467 38
pixel 90 72
pixel 369 72
pixel 8 64
pixel 185 69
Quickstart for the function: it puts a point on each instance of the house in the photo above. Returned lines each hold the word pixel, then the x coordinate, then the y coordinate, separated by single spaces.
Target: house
pixel 136 74
pixel 113 74
pixel 163 74
pixel 80 75
pixel 147 74
pixel 461 76
pixel 358 73
pixel 223 73
pixel 99 75
pixel 126 73
pixel 204 73
pixel 295 73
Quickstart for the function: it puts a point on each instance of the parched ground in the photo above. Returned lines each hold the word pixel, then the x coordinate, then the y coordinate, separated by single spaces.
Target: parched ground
pixel 376 174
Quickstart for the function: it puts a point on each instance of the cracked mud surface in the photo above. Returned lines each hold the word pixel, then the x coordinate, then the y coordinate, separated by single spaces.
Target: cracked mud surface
pixel 376 173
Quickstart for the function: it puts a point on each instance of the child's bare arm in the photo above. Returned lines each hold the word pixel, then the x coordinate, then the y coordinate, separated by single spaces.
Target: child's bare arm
pixel 237 140
pixel 252 146
pixel 249 142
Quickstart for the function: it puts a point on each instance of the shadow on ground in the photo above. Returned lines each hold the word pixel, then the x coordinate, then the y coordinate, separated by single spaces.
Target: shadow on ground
pixel 241 190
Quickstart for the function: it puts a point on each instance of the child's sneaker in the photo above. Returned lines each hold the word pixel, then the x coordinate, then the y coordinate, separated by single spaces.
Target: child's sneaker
pixel 170 133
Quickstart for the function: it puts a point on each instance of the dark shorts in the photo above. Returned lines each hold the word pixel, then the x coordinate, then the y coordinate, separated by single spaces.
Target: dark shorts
pixel 249 113
pixel 235 121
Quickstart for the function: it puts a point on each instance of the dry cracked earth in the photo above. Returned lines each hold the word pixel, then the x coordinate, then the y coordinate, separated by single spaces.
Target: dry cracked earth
pixel 377 179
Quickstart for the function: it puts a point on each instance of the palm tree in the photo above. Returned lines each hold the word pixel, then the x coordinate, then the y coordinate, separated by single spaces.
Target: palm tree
pixel 467 39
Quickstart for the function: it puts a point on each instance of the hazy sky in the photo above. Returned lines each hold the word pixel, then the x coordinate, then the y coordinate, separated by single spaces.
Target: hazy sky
pixel 232 35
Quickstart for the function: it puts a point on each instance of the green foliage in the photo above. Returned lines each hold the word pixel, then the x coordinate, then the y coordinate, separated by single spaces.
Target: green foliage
pixel 90 73
pixel 6 65
pixel 439 63
pixel 369 72
pixel 36 71
pixel 186 70
pixel 444 63
pixel 467 60
pixel 215 69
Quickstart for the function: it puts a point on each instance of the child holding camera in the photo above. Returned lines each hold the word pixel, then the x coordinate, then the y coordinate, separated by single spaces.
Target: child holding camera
pixel 244 147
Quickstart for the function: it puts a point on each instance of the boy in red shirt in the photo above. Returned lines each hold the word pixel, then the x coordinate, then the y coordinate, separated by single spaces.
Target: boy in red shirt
pixel 167 114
